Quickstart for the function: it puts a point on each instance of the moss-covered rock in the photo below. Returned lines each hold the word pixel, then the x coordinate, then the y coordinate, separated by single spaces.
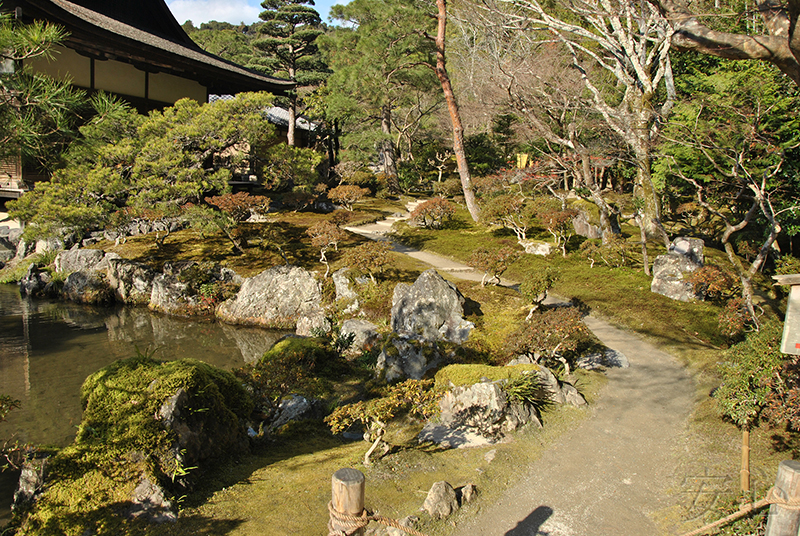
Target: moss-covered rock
pixel 146 424
pixel 466 375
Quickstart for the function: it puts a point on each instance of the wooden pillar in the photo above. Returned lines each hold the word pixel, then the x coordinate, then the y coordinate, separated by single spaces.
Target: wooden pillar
pixel 347 497
pixel 784 521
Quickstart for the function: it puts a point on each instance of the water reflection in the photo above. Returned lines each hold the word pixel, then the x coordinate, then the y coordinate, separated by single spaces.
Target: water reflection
pixel 48 348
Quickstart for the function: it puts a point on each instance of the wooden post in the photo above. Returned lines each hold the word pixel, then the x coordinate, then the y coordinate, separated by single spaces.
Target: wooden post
pixel 784 521
pixel 347 497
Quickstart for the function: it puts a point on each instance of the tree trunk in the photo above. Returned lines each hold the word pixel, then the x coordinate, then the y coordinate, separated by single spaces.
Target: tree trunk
pixel 455 116
pixel 290 135
pixel 646 191
pixel 388 151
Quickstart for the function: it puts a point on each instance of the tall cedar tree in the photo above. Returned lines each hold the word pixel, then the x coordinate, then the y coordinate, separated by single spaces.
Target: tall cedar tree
pixel 288 36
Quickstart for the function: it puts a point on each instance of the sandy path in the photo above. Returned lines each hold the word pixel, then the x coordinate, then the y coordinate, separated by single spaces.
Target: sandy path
pixel 607 476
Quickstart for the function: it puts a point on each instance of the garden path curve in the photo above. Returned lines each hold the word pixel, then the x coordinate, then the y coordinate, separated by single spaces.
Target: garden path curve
pixel 610 475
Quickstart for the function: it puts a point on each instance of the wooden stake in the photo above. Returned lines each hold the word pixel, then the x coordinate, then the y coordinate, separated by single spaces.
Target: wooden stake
pixel 784 521
pixel 347 497
pixel 744 474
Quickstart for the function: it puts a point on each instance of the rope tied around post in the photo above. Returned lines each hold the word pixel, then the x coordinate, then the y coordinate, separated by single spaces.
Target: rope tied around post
pixel 355 522
pixel 748 508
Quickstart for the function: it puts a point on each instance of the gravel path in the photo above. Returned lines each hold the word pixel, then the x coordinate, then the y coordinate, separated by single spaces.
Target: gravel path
pixel 609 475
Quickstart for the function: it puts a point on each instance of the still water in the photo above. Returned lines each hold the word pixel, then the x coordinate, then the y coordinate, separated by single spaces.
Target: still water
pixel 47 349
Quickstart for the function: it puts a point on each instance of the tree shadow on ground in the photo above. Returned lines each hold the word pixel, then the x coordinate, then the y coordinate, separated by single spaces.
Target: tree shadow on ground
pixel 532 523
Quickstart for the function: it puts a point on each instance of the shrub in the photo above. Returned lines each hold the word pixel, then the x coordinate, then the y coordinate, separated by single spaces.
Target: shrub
pixel 549 336
pixel 433 214
pixel 293 366
pixel 412 398
pixel 447 188
pixel 615 253
pixel 714 283
pixel 347 195
pixel 493 263
pixel 325 235
pixel 559 224
pixel 511 211
pixel 535 287
pixel 368 258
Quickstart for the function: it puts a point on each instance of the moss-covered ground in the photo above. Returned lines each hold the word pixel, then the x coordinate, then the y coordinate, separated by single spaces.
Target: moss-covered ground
pixel 283 487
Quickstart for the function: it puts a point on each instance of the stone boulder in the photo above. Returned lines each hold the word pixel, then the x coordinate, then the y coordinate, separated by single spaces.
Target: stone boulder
pixel 31 482
pixel 275 298
pixel 476 415
pixel 7 250
pixel 364 333
pixel 431 309
pixel 73 260
pixel 88 287
pixel 403 359
pixel 583 227
pixel 536 247
pixel 132 282
pixel 36 283
pixel 671 271
pixel 342 285
pixel 170 295
pixel 441 501
pixel 291 409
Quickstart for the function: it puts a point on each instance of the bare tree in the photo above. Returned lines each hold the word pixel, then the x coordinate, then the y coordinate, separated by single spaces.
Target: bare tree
pixel 626 39
pixel 781 46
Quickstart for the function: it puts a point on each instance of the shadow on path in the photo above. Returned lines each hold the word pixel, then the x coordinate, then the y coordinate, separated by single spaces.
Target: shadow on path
pixel 530 525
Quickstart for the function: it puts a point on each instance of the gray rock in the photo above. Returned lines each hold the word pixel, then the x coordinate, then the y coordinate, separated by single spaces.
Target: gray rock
pixel 466 493
pixel 559 392
pixel 73 260
pixel 364 332
pixel 312 325
pixel 35 282
pixel 24 248
pixel 87 287
pixel 275 298
pixel 408 522
pixel 431 309
pixel 342 284
pixel 14 236
pixel 172 296
pixel 131 282
pixel 670 277
pixel 583 227
pixel 536 247
pixel 150 503
pixel 671 271
pixel 441 500
pixel 404 359
pixel 691 248
pixel 291 409
pixel 31 482
pixel 7 250
pixel 481 406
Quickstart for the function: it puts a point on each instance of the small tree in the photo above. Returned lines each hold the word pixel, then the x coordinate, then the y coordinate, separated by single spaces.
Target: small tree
pixel 232 211
pixel 548 335
pixel 325 235
pixel 434 213
pixel 559 224
pixel 535 287
pixel 493 263
pixel 414 398
pixel 747 383
pixel 347 195
pixel 369 258
pixel 510 211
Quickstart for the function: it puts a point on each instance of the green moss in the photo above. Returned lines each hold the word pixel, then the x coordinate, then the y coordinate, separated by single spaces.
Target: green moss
pixel 464 375
pixel 121 438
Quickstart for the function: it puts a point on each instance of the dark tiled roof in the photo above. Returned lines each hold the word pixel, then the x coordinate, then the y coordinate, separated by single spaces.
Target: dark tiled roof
pixel 153 43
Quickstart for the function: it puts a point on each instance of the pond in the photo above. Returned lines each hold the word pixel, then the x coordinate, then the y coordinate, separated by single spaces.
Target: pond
pixel 48 348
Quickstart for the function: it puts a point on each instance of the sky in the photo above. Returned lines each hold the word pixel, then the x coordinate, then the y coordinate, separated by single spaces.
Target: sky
pixel 233 11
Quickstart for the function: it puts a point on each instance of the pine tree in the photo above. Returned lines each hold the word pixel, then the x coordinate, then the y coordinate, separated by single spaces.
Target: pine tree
pixel 288 36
